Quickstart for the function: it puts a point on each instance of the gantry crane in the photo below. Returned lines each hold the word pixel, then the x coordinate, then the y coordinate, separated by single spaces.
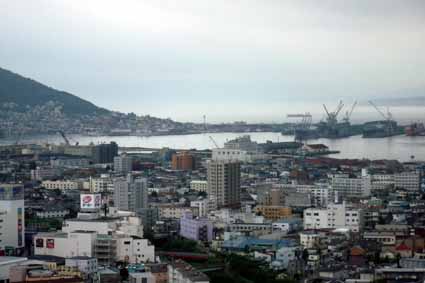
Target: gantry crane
pixel 388 117
pixel 302 128
pixel 332 117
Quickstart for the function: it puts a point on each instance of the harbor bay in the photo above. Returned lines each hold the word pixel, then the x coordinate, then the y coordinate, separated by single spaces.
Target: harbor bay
pixel 400 147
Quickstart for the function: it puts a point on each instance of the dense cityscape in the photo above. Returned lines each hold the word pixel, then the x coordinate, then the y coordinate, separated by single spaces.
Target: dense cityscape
pixel 103 213
pixel 157 141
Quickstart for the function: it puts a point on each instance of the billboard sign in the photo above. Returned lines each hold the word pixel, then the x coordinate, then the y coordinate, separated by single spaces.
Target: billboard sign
pixel 91 201
pixel 50 243
pixel 39 243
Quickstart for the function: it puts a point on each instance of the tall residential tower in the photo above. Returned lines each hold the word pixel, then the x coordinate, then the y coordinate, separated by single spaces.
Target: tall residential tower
pixel 224 183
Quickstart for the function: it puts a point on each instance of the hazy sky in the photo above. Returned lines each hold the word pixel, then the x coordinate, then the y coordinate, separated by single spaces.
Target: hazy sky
pixel 228 59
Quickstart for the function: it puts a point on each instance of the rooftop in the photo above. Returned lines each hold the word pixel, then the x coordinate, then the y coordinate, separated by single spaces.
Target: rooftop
pixel 4 260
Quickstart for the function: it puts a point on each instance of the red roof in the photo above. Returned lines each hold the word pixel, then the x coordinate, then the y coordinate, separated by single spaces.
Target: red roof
pixel 403 247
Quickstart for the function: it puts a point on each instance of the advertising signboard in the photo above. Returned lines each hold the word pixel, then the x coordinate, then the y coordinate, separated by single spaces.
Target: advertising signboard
pixel 39 243
pixel 91 201
pixel 50 243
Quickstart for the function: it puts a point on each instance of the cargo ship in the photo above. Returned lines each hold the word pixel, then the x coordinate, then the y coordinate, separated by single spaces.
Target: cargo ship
pixel 415 129
pixel 306 134
pixel 381 129
pixel 339 130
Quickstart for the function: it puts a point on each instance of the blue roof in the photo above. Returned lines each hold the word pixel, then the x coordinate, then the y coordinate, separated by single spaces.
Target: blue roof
pixel 243 242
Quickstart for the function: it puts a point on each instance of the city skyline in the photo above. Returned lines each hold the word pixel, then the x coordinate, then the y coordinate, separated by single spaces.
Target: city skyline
pixel 183 61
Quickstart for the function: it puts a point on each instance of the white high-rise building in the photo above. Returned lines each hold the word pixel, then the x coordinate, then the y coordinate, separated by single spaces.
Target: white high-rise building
pixel 123 164
pixel 12 216
pixel 131 195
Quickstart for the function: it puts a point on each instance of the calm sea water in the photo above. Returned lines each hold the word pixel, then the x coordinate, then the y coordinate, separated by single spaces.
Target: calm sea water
pixel 399 147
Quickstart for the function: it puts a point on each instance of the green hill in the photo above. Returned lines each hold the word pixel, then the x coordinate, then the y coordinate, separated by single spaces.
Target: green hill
pixel 26 93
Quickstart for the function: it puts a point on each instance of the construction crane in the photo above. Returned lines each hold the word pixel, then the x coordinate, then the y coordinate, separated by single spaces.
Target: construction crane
pixel 302 128
pixel 332 117
pixel 349 113
pixel 62 133
pixel 216 145
pixel 306 120
pixel 388 117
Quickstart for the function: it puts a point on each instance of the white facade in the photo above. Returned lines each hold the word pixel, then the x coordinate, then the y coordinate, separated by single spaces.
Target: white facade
pixel 382 181
pixel 315 218
pixel 356 187
pixel 100 227
pixel 87 265
pixel 409 181
pixel 130 225
pixel 333 217
pixel 226 154
pixel 199 186
pixel 202 206
pixel 65 244
pixel 123 164
pixel 134 250
pixel 242 143
pixel 12 216
pixel 40 174
pixel 62 185
pixel 102 184
pixel 6 262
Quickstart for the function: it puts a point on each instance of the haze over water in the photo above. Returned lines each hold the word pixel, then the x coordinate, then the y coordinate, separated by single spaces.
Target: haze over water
pixel 399 147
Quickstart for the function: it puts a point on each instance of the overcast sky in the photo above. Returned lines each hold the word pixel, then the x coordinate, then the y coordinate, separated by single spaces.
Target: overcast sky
pixel 228 59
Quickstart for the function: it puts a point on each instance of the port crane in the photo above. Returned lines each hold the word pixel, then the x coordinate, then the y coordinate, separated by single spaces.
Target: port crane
pixel 332 117
pixel 214 142
pixel 306 119
pixel 349 113
pixel 63 135
pixel 303 126
pixel 388 117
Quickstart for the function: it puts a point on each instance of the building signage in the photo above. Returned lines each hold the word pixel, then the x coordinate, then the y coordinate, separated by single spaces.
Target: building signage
pixel 39 243
pixel 91 201
pixel 50 243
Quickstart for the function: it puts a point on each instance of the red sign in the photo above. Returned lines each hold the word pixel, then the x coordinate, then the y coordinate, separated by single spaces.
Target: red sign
pixel 50 243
